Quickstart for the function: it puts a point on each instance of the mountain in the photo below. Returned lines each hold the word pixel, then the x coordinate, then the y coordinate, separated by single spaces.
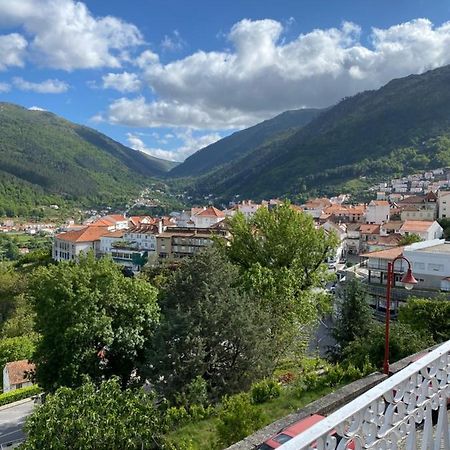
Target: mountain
pixel 43 156
pixel 400 128
pixel 243 142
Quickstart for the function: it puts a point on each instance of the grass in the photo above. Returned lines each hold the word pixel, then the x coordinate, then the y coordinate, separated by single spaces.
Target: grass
pixel 202 434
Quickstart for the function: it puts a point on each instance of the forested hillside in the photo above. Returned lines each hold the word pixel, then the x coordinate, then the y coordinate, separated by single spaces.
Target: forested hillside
pixel 402 127
pixel 44 158
pixel 243 142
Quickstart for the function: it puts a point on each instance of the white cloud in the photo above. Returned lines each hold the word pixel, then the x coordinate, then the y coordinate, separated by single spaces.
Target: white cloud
pixel 122 82
pixel 190 144
pixel 263 75
pixel 12 50
pixel 36 108
pixel 5 87
pixel 173 42
pixel 65 35
pixel 44 87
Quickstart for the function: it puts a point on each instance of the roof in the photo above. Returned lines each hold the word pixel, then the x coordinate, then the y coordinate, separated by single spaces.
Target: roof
pixel 412 199
pixel 144 229
pixel 88 234
pixel 109 220
pixel 439 248
pixel 379 203
pixel 369 228
pixel 19 371
pixel 388 254
pixel 416 225
pixel 115 234
pixel 210 211
pixel 392 225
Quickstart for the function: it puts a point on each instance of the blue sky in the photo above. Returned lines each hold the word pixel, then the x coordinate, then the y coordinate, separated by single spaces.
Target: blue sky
pixel 170 76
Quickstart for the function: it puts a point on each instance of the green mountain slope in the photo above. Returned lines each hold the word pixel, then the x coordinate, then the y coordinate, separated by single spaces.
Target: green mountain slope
pixel 43 155
pixel 400 128
pixel 243 142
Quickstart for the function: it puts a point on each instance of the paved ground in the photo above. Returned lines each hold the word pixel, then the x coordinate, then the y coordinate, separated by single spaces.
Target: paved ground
pixel 11 422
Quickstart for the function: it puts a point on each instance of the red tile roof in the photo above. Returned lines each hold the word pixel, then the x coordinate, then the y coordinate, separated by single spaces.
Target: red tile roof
pixel 88 234
pixel 389 254
pixel 369 228
pixel 211 211
pixel 411 226
pixel 19 371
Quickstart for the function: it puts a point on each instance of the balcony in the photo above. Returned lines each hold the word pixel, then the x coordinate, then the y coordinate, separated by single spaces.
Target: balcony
pixel 397 413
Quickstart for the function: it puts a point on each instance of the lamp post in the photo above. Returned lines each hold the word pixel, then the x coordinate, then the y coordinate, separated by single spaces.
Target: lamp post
pixel 409 281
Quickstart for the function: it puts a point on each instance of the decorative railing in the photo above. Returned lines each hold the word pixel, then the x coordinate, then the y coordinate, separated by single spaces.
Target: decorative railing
pixel 408 410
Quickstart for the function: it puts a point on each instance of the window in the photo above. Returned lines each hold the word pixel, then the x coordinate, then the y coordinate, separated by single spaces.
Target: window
pixel 436 267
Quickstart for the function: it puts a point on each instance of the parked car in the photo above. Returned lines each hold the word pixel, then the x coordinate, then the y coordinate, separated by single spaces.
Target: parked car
pixel 294 430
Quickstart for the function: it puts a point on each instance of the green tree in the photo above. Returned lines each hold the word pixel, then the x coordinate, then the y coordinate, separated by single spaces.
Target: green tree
pixel 11 285
pixel 428 316
pixel 92 321
pixel 281 253
pixel 409 239
pixel 237 419
pixel 210 328
pixel 404 341
pixel 91 418
pixel 353 315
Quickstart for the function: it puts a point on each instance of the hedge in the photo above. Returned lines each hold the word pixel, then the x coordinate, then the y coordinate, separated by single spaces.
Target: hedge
pixel 18 394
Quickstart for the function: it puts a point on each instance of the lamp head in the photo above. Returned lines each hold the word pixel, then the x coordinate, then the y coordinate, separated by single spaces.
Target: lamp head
pixel 408 280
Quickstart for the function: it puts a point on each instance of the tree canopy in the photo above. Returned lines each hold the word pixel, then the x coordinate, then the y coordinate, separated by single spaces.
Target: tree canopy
pixel 92 320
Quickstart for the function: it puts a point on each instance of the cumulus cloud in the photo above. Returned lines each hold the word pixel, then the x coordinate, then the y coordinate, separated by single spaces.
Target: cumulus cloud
pixel 65 35
pixel 263 74
pixel 5 87
pixel 122 82
pixel 12 50
pixel 189 145
pixel 44 87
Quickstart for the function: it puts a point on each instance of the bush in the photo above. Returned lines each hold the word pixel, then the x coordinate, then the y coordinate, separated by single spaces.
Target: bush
pixel 238 418
pixel 265 390
pixel 176 416
pixel 19 394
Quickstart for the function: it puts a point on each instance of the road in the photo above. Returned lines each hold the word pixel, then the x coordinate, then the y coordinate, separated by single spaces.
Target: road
pixel 12 420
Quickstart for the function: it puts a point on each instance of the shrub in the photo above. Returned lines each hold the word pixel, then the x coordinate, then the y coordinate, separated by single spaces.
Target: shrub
pixel 238 418
pixel 19 394
pixel 265 390
pixel 199 412
pixel 176 416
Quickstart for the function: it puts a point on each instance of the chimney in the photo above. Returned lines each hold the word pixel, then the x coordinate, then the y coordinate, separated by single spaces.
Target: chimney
pixel 160 226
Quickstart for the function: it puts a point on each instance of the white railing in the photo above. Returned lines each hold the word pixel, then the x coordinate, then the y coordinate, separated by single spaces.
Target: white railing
pixel 408 410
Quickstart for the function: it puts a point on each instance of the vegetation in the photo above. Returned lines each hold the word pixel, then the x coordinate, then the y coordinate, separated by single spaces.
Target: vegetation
pixel 91 418
pixel 92 321
pixel 64 162
pixel 410 239
pixel 428 316
pixel 19 394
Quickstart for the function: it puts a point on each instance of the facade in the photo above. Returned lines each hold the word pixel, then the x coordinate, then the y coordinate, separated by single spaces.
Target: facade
pixel 444 204
pixel 16 375
pixel 69 245
pixel 427 230
pixel 378 212
pixel 182 242
pixel 207 217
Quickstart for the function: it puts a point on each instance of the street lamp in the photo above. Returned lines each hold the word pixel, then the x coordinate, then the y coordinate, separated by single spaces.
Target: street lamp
pixel 409 281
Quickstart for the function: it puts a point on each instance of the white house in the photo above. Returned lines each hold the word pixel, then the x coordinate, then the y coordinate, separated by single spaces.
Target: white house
pixel 16 375
pixel 207 217
pixel 426 229
pixel 378 211
pixel 69 245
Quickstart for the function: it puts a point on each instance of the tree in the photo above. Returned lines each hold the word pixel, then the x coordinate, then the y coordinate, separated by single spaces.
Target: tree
pixel 210 328
pixel 11 285
pixel 404 341
pixel 353 314
pixel 409 239
pixel 92 321
pixel 281 253
pixel 428 316
pixel 87 418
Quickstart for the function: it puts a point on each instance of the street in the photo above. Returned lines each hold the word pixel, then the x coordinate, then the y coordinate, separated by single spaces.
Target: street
pixel 11 422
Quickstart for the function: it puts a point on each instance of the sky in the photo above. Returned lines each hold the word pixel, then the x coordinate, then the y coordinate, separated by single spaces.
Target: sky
pixel 169 77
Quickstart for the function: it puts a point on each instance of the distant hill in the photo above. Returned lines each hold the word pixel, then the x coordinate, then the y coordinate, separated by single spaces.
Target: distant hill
pixel 399 128
pixel 243 142
pixel 43 157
